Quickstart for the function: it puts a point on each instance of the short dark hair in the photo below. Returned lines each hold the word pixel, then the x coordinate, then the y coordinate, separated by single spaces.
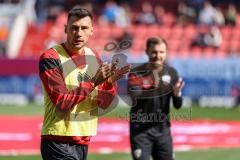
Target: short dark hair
pixel 79 12
pixel 151 42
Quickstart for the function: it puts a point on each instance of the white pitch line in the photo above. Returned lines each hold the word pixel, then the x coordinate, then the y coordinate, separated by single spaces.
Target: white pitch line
pixel 15 136
pixel 13 152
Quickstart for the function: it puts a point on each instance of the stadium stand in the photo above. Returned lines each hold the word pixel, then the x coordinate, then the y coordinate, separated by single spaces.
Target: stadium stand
pixel 43 34
pixel 178 35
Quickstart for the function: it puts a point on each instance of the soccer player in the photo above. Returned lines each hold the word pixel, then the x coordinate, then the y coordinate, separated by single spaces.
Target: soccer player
pixel 151 87
pixel 75 83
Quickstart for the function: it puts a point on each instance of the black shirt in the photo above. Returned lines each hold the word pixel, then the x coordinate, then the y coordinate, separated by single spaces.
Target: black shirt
pixel 151 92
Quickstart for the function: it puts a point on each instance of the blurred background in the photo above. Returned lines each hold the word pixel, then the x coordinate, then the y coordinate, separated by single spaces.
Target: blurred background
pixel 204 45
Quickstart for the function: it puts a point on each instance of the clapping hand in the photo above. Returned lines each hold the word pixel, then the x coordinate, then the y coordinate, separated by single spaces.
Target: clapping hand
pixel 118 73
pixel 103 73
pixel 178 87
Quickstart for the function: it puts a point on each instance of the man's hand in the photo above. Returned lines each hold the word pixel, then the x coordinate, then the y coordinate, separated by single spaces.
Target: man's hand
pixel 119 73
pixel 103 73
pixel 178 87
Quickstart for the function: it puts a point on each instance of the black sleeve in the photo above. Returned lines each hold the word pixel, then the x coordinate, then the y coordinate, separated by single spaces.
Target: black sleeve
pixel 177 101
pixel 174 75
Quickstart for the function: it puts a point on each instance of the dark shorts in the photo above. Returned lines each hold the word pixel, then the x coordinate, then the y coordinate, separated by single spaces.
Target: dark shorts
pixel 54 150
pixel 152 141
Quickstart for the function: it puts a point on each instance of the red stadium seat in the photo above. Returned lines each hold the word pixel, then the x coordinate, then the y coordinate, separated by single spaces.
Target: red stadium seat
pixel 153 30
pixel 169 19
pixel 234 44
pixel 131 29
pixel 226 32
pixel 176 33
pixel 184 51
pixel 34 42
pixel 173 45
pixel 164 32
pixel 238 20
pixel 116 31
pixel 209 52
pixel 196 52
pixel 140 31
pixel 104 31
pixel 138 46
pixel 235 34
pixel 189 32
pixel 184 54
pixel 96 30
pixel 224 46
pixel 221 54
pixel 98 44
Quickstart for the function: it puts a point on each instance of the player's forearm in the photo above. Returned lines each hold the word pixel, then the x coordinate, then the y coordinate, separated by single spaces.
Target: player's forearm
pixel 106 94
pixel 57 91
pixel 67 100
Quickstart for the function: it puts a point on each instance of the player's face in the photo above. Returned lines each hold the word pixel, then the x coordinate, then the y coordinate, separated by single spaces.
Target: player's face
pixel 78 32
pixel 158 53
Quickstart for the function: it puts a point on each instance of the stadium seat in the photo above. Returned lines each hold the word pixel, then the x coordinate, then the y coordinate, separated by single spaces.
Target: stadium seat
pixel 234 44
pixel 226 32
pixel 176 32
pixel 98 44
pixel 164 32
pixel 196 52
pixel 140 31
pixel 35 39
pixel 96 30
pixel 224 47
pixel 153 30
pixel 220 54
pixel 116 31
pixel 173 45
pixel 138 46
pixel 183 50
pixel 104 31
pixel 169 19
pixel 235 34
pixel 209 52
pixel 189 32
pixel 238 20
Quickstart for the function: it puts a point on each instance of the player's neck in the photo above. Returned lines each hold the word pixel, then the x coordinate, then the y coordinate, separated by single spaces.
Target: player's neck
pixel 155 66
pixel 72 50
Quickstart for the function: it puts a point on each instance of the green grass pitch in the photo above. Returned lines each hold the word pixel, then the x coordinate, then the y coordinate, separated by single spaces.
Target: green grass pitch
pixel 212 154
pixel 194 112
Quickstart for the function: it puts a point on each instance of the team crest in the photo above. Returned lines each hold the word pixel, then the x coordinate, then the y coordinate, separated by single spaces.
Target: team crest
pixel 137 153
pixel 166 79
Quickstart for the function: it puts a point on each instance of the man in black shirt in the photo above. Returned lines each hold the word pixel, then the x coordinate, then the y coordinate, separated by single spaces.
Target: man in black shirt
pixel 151 86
